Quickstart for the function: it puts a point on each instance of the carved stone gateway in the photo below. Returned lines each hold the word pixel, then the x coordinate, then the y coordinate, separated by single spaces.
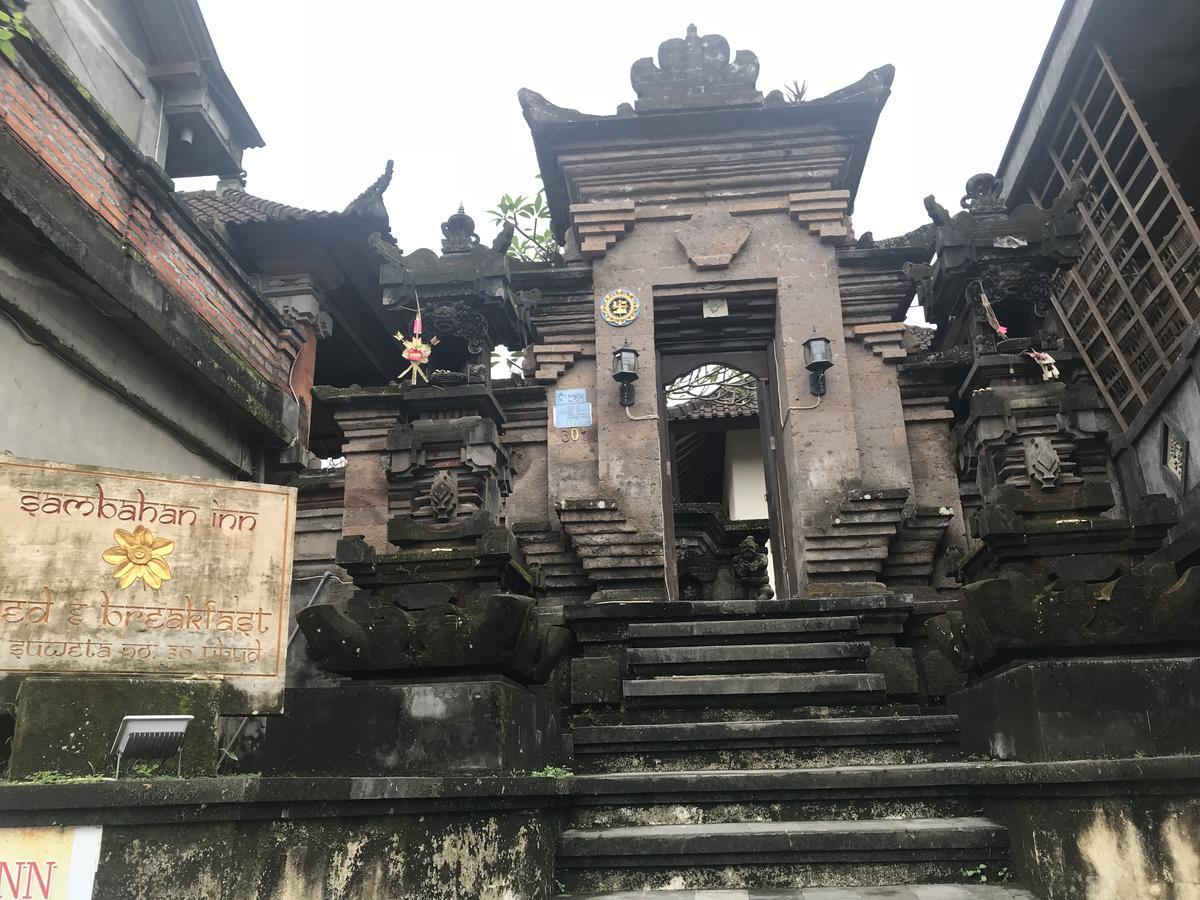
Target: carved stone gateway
pixel 455 595
pixel 449 600
pixel 1054 546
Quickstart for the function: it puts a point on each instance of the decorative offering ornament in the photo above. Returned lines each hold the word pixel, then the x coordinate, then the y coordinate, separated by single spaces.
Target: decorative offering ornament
pixel 416 350
pixel 620 307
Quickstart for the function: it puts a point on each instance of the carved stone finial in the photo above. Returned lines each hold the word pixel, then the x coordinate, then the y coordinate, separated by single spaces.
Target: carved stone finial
pixel 458 233
pixel 695 71
pixel 370 201
pixel 982 199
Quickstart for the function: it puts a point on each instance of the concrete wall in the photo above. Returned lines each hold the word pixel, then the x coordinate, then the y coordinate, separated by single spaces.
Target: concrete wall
pixel 745 483
pixel 103 44
pixel 479 856
pixel 51 410
pixel 1181 411
pixel 1106 848
pixel 878 419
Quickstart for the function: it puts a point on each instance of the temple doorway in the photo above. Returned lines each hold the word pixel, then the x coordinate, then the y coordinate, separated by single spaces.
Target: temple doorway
pixel 718 484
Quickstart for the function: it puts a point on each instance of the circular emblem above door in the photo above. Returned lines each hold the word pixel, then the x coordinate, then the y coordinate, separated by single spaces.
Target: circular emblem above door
pixel 620 307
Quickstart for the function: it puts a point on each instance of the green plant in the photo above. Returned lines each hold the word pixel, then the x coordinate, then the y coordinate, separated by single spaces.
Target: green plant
pixel 12 24
pixel 533 240
pixel 983 874
pixel 50 777
pixel 552 772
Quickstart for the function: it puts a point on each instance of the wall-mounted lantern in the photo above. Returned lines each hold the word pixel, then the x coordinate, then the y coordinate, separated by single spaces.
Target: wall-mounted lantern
pixel 818 358
pixel 625 372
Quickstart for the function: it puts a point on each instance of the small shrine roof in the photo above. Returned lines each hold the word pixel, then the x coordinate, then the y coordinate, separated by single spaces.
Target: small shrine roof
pixel 231 204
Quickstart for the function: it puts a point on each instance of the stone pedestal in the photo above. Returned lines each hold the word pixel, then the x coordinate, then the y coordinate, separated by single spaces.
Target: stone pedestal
pixel 1083 709
pixel 490 725
pixel 67 725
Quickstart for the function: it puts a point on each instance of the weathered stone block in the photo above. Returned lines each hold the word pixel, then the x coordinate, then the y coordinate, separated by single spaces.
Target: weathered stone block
pixel 898 665
pixel 938 677
pixel 595 679
pixel 434 728
pixel 1084 709
pixel 67 725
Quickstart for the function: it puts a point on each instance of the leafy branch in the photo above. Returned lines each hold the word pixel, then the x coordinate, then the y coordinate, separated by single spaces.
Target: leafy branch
pixel 507 363
pixel 716 385
pixel 533 239
pixel 11 25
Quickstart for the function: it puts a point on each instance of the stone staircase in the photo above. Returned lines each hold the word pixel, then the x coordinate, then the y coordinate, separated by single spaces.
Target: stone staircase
pixel 754 750
pixel 615 555
pixel 911 554
pixel 853 546
pixel 551 551
pixel 565 328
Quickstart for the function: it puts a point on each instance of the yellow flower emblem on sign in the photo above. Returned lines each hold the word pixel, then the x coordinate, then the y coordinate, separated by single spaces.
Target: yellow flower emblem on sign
pixel 139 555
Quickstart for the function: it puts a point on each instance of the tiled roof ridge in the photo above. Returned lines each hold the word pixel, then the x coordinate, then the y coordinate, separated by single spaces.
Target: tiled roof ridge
pixel 230 202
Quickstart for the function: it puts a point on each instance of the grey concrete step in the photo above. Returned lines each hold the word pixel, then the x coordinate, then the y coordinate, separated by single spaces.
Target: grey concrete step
pixel 794 629
pixel 759 689
pixel 845 732
pixel 966 839
pixel 865 604
pixel 747 657
pixel 877 892
pixel 732 652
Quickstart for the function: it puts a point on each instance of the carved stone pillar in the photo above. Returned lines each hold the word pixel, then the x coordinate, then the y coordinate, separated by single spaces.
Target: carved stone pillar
pixel 299 299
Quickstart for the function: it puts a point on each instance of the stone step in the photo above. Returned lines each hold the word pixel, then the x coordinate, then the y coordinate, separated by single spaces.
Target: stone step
pixel 793 706
pixel 848 529
pixel 855 731
pixel 817 628
pixel 615 526
pixel 846 565
pixel 771 854
pixel 848 548
pixel 724 610
pixel 775 743
pixel 635 543
pixel 591 514
pixel 747 657
pixel 622 568
pixel 756 690
pixel 537 545
pixel 551 558
pixel 877 892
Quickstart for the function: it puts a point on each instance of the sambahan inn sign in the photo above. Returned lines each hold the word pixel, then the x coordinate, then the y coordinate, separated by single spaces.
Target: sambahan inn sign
pixel 108 572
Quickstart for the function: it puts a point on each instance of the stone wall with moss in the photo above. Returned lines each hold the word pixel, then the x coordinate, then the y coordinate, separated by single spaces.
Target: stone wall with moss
pixel 250 838
pixel 1107 848
pixel 445 856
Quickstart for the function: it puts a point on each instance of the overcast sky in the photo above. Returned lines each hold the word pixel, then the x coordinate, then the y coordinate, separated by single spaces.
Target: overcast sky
pixel 338 88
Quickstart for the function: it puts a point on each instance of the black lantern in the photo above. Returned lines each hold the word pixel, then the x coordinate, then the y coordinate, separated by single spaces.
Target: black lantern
pixel 818 357
pixel 625 372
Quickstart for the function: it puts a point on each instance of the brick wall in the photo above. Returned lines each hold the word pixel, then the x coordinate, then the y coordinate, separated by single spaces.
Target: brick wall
pixel 182 260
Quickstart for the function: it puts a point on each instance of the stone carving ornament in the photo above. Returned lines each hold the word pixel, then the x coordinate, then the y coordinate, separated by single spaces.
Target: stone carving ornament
pixel 1042 462
pixel 459 319
pixel 458 233
pixel 443 496
pixel 983 197
pixel 712 238
pixel 695 70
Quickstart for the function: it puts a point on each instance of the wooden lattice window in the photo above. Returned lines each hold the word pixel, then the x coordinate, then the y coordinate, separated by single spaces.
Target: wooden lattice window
pixel 1129 301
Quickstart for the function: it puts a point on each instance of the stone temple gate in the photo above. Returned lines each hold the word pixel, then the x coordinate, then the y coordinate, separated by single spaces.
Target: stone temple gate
pixel 773 590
